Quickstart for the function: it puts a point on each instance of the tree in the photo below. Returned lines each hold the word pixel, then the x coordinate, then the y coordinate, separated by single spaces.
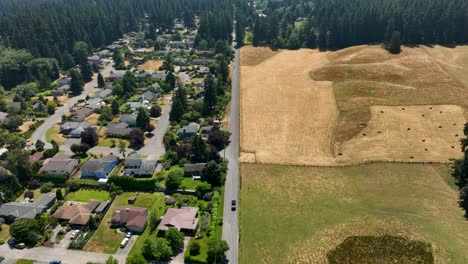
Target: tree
pixel 90 137
pixel 47 187
pixel 395 43
pixel 174 179
pixel 210 99
pixel 118 58
pixel 194 248
pixel 219 139
pixel 59 194
pixel 115 107
pixel 13 122
pixel 136 138
pixel 153 221
pixel 18 164
pixel 171 79
pixel 92 224
pixel 80 54
pixel 175 238
pixel 25 230
pixel 111 260
pixel 79 148
pixel 157 249
pixel 217 251
pixel 76 83
pixel 129 83
pixel 155 111
pixel 136 259
pixel 67 61
pixel 463 199
pixel 203 187
pixel 122 147
pixel 117 90
pixel 212 174
pixel 100 81
pixel 199 149
pixel 106 114
pixel 142 119
pixel 51 105
pixel 39 145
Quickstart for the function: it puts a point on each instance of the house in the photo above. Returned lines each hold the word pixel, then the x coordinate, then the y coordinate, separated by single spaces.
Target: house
pixel 159 75
pixel 95 103
pixel 76 133
pixel 64 81
pixel 62 90
pixel 103 53
pixel 116 75
pixel 136 166
pixel 74 129
pixel 188 131
pixel 148 96
pixel 129 119
pixel 179 61
pixel 183 78
pixel 94 60
pixel 103 94
pixel 156 86
pixel 99 168
pixel 13 105
pixel 204 70
pixel 13 210
pixel 118 130
pixel 205 130
pixel 183 219
pixel 114 47
pixel 36 157
pixel 132 217
pixel 39 107
pixel 143 75
pixel 59 165
pixel 135 105
pixel 203 61
pixel 81 114
pixel 76 213
pixel 3 117
pixel 191 170
pixel 139 60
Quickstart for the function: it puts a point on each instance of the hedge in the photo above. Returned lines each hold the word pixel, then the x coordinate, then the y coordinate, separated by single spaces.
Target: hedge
pixel 52 178
pixel 127 183
pixel 86 183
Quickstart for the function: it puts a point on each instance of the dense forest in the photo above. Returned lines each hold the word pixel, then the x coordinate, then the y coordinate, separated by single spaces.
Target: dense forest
pixel 335 24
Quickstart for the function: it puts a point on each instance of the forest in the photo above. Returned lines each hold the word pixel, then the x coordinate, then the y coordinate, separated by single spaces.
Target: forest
pixel 336 24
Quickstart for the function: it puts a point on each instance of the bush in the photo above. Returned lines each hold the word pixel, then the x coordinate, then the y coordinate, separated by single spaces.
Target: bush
pixel 194 248
pixel 2 241
pixel 52 178
pixel 47 187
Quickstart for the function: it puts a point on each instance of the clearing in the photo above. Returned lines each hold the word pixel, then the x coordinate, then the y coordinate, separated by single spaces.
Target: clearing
pixel 286 117
pixel 151 65
pixel 303 218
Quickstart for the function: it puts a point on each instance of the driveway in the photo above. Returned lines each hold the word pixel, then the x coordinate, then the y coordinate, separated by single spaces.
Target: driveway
pixel 124 251
pixel 40 133
pixel 180 257
pixel 65 242
pixel 231 191
pixel 154 149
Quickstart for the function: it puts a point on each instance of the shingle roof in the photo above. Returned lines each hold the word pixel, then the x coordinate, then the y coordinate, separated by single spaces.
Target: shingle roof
pixel 194 167
pixel 76 213
pixel 125 215
pixel 183 218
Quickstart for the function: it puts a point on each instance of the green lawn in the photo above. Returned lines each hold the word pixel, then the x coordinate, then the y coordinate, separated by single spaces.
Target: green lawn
pixel 108 143
pixel 83 195
pixel 53 133
pixel 5 233
pixel 24 261
pixel 294 214
pixel 189 184
pixel 106 239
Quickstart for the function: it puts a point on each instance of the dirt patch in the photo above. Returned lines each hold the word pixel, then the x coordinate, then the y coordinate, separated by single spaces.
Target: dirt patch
pixel 25 126
pixel 93 119
pixel 251 56
pixel 151 65
pixel 195 81
pixel 408 133
pixel 286 117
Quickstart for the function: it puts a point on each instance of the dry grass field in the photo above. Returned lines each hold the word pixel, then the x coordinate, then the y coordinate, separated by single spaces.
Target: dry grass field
pixel 419 133
pixel 454 60
pixel 291 214
pixel 151 65
pixel 286 117
pixel 250 56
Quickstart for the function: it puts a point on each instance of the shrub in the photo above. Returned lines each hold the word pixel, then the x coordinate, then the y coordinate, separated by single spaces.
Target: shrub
pixel 47 187
pixel 194 248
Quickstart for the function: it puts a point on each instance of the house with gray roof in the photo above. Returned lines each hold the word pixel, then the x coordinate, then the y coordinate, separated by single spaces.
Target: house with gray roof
pixel 188 131
pixel 129 119
pixel 3 117
pixel 81 114
pixel 118 130
pixel 64 81
pixel 94 60
pixel 13 105
pixel 148 96
pixel 179 61
pixel 59 165
pixel 103 94
pixel 156 86
pixel 102 207
pixel 116 75
pixel 11 211
pixel 76 133
pixel 94 103
pixel 62 90
pixel 203 61
pixel 136 166
pixel 74 129
pixel 160 75
pixel 135 105
pixel 193 169
pixel 99 168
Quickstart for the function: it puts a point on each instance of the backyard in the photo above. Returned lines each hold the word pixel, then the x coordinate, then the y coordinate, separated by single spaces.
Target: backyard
pixel 84 195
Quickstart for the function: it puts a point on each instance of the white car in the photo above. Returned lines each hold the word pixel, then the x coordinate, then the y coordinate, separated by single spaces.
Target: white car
pixel 128 235
pixel 74 233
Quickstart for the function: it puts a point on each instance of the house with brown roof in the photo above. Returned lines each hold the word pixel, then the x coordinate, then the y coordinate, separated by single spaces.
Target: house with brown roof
pixel 81 115
pixel 184 219
pixel 132 217
pixel 76 213
pixel 59 165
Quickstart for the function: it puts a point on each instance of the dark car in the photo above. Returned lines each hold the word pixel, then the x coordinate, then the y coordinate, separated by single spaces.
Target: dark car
pixel 233 205
pixel 55 262
pixel 11 242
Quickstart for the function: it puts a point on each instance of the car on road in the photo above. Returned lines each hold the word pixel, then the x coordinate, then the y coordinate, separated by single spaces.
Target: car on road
pixel 128 235
pixel 233 205
pixel 21 246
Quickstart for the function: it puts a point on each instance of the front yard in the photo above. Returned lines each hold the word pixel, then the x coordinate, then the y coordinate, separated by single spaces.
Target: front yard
pixel 83 195
pixel 53 133
pixel 106 239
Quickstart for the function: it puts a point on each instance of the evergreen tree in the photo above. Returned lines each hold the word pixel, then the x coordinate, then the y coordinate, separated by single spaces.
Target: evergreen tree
pixel 100 81
pixel 199 150
pixel 118 58
pixel 395 43
pixel 143 118
pixel 210 99
pixel 76 83
pixel 115 107
pixel 171 79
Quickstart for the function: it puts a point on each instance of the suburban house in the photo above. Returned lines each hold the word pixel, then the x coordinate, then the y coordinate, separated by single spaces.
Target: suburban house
pixel 195 169
pixel 13 105
pixel 103 53
pixel 3 116
pixel 132 217
pixel 95 103
pixel 148 96
pixel 13 210
pixel 64 81
pixel 116 75
pixel 183 78
pixel 136 166
pixel 59 165
pixel 119 130
pixel 184 219
pixel 62 90
pixel 99 168
pixel 205 130
pixel 129 119
pixel 180 61
pixel 188 131
pixel 81 114
pixel 203 61
pixel 156 86
pixel 76 213
pixel 143 74
pixel 94 60
pixel 103 94
pixel 36 157
pixel 135 105
pixel 204 70
pixel 160 75
pixel 74 129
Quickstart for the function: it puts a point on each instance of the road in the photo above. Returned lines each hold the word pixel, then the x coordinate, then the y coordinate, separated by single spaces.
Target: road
pixel 231 189
pixel 40 133
pixel 154 149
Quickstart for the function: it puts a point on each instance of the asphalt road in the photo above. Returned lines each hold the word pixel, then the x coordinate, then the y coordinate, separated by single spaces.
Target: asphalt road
pixel 40 133
pixel 231 189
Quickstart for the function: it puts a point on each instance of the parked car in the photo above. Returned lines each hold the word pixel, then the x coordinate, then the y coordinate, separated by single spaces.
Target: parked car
pixel 55 262
pixel 11 242
pixel 74 233
pixel 233 205
pixel 128 235
pixel 21 246
pixel 124 243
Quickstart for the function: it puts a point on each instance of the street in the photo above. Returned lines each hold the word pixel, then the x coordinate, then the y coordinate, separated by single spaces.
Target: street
pixel 231 190
pixel 40 133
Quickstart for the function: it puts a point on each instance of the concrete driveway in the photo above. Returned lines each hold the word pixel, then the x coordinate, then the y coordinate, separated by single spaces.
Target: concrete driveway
pixel 128 247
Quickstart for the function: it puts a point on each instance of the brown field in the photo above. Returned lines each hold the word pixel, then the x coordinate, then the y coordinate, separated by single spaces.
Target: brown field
pixel 25 126
pixel 419 133
pixel 151 65
pixel 454 60
pixel 286 117
pixel 250 56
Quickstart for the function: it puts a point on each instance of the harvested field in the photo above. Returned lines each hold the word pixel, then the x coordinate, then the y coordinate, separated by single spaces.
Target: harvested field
pixel 402 133
pixel 454 60
pixel 291 214
pixel 286 117
pixel 364 76
pixel 151 65
pixel 251 56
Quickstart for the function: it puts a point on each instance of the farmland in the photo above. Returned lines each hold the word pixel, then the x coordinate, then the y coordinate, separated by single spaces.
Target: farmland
pixel 299 214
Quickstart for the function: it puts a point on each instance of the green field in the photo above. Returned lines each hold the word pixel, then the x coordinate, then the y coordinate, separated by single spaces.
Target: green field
pixel 189 184
pixel 106 239
pixel 83 195
pixel 299 214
